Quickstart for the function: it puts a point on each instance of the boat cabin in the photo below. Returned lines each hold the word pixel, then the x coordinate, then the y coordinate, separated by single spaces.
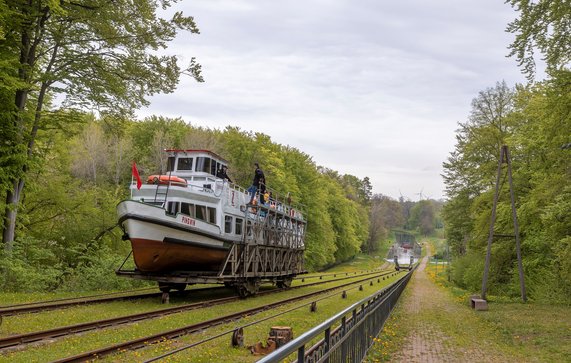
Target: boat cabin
pixel 194 165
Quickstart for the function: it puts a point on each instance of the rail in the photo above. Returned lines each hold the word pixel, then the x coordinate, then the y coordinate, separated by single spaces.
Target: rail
pixel 345 339
pixel 201 326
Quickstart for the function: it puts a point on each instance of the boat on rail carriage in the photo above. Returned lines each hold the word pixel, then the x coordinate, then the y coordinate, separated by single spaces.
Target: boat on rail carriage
pixel 189 226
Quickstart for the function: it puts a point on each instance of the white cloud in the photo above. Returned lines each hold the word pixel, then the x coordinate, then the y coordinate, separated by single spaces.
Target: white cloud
pixel 367 88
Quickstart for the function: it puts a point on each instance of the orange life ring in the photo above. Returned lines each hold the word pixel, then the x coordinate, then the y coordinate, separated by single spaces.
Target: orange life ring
pixel 165 179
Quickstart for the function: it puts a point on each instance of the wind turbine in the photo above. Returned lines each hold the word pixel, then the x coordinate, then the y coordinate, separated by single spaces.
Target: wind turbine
pixel 420 194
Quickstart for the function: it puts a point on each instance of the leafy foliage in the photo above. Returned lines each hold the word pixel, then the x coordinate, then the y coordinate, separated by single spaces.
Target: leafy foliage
pixel 536 123
pixel 68 213
pixel 90 55
pixel 544 25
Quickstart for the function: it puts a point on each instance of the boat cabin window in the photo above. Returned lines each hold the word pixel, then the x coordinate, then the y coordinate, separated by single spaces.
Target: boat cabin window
pixel 227 224
pixel 205 213
pixel 203 164
pixel 201 212
pixel 238 225
pixel 172 207
pixel 188 209
pixel 184 164
pixel 207 165
pixel 211 215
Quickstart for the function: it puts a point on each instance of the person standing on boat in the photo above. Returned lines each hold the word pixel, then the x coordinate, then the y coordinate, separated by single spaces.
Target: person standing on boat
pixel 222 173
pixel 262 189
pixel 258 179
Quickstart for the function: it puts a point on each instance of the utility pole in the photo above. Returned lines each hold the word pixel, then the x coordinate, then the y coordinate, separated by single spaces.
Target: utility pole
pixel 504 158
pixel 448 258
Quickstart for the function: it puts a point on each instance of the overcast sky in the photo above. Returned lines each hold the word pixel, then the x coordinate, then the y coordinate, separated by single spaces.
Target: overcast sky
pixel 368 88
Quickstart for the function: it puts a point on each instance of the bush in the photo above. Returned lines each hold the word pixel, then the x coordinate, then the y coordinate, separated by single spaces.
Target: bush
pixel 31 266
pixel 466 271
pixel 97 272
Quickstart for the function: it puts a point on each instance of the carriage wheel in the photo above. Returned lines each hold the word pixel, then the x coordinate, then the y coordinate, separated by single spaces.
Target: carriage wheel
pixel 242 291
pixel 165 287
pixel 285 283
pixel 179 287
pixel 248 287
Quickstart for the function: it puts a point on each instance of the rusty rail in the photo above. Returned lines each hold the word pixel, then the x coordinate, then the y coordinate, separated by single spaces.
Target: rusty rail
pixel 140 342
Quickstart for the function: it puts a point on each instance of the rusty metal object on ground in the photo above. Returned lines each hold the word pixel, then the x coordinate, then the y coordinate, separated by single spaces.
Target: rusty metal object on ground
pixel 238 338
pixel 259 349
pixel 279 336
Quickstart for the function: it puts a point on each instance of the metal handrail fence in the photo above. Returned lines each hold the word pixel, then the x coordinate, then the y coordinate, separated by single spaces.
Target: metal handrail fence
pixel 348 335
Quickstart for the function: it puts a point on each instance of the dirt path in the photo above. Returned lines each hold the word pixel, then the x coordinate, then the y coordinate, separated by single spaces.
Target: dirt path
pixel 442 330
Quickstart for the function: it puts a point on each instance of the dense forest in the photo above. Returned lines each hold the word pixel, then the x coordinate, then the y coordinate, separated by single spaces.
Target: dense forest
pixel 67 237
pixel 534 121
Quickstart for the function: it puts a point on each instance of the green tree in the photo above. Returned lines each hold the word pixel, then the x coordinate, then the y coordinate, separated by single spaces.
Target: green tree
pixel 543 25
pixel 386 214
pixel 536 126
pixel 423 217
pixel 91 54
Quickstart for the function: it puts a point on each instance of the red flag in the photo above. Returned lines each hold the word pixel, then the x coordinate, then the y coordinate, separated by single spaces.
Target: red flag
pixel 136 175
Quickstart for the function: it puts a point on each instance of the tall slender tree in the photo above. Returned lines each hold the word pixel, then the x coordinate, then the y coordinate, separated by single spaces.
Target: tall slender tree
pixel 89 53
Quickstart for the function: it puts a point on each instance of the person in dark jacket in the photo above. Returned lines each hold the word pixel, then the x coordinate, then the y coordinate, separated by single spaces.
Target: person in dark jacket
pixel 259 178
pixel 222 173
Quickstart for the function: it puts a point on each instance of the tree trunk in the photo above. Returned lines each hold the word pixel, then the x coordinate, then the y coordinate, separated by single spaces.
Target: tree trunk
pixel 12 201
pixel 31 36
pixel 13 196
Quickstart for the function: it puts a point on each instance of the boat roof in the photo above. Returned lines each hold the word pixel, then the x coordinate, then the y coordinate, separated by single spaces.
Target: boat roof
pixel 197 151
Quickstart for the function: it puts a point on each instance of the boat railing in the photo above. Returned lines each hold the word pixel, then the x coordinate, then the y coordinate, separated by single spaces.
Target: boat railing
pixel 279 201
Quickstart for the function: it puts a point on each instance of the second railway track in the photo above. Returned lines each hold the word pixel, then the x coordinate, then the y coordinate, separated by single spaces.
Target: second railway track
pixel 21 339
pixel 41 306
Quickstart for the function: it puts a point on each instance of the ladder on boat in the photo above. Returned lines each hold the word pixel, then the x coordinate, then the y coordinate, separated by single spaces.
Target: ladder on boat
pixel 162 191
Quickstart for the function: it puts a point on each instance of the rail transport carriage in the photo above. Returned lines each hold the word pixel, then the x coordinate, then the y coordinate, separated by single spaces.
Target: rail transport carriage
pixel 189 227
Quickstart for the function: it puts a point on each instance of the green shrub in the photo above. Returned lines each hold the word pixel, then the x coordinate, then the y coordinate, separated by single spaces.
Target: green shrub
pixel 97 272
pixel 466 271
pixel 31 266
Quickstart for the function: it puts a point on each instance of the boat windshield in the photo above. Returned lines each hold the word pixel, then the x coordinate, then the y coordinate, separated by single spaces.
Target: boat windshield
pixel 184 164
pixel 199 164
pixel 203 164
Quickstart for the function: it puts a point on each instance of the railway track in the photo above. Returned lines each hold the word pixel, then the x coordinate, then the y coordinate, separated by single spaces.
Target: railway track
pixel 65 303
pixel 73 298
pixel 40 306
pixel 21 339
pixel 201 326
